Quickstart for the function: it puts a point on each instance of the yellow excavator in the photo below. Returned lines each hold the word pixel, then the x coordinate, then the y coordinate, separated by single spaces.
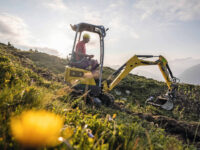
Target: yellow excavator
pixel 98 89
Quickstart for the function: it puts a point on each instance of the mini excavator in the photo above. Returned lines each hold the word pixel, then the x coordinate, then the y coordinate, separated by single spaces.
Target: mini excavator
pixel 98 89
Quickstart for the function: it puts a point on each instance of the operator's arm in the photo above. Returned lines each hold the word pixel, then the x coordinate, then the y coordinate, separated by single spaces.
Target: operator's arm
pixel 84 55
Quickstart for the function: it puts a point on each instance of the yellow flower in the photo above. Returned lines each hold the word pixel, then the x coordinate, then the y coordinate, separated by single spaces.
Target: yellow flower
pixel 36 128
pixel 6 81
pixel 91 140
pixel 114 116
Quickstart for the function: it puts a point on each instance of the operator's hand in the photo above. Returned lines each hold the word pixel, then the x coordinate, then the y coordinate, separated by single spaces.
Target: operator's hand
pixel 91 56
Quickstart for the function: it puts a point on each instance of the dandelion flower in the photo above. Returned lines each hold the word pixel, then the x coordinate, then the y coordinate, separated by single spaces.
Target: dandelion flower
pixel 36 128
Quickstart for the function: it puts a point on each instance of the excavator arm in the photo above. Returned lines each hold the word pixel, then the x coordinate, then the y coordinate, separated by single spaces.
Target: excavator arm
pixel 139 60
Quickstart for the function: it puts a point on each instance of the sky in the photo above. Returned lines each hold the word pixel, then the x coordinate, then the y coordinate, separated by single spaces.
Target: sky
pixel 149 27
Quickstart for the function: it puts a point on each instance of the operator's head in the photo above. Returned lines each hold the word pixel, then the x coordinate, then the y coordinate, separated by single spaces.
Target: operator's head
pixel 86 38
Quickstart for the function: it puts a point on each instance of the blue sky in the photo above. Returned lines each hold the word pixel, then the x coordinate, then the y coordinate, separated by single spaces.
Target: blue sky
pixel 167 27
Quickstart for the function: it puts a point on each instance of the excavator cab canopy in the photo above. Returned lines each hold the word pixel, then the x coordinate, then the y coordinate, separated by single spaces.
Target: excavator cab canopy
pixel 90 28
pixel 98 29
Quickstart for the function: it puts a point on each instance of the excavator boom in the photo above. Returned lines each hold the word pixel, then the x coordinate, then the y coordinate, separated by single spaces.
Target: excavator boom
pixel 138 60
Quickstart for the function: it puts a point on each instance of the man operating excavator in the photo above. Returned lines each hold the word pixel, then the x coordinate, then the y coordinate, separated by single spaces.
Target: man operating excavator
pixel 85 60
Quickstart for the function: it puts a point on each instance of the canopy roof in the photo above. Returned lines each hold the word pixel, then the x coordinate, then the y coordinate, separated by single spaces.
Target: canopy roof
pixel 90 28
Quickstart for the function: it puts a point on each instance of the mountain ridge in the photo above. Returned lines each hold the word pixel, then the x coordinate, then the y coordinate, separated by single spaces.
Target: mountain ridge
pixel 191 75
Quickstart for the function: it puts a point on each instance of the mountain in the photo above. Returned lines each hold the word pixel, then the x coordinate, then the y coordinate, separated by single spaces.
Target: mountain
pixel 191 75
pixel 30 80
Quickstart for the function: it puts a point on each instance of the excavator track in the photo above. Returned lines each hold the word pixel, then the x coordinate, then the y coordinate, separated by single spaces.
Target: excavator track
pixel 104 98
pixel 107 99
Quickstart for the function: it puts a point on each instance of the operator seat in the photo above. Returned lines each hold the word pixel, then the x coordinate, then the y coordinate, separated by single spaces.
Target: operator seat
pixel 74 63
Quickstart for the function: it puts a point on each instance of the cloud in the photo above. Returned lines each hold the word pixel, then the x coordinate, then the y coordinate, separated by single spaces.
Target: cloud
pixel 171 10
pixel 47 50
pixel 57 5
pixel 13 29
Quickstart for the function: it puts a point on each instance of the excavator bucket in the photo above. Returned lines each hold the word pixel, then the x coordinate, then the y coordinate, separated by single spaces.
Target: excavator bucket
pixel 164 102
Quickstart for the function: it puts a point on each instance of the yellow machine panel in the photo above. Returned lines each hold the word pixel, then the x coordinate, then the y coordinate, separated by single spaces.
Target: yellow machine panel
pixel 78 76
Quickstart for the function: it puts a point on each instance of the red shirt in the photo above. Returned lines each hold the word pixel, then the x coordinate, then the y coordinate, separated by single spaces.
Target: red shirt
pixel 80 48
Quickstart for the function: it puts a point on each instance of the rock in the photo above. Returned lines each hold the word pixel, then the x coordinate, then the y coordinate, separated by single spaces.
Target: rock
pixel 124 98
pixel 128 92
pixel 118 92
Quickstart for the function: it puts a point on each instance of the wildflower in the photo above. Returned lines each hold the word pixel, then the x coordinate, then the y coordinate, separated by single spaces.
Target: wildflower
pixel 91 140
pixel 89 132
pixel 90 135
pixel 6 81
pixel 109 118
pixel 114 116
pixel 85 126
pixel 36 128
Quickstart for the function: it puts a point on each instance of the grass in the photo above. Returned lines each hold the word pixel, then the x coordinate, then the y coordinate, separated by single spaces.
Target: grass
pixel 23 87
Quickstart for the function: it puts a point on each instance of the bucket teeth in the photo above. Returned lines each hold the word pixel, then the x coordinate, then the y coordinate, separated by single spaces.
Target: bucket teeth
pixel 162 102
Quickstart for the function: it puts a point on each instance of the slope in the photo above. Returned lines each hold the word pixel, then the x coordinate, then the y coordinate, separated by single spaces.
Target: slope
pixel 23 86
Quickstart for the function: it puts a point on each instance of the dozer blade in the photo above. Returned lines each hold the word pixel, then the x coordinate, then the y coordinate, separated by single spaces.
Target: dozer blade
pixel 162 102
